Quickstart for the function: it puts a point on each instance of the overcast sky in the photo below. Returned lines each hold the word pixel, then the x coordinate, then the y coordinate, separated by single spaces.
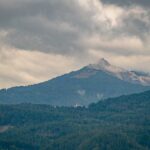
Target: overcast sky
pixel 41 39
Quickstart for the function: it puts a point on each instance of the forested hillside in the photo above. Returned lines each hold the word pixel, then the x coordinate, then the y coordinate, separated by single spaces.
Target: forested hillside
pixel 121 123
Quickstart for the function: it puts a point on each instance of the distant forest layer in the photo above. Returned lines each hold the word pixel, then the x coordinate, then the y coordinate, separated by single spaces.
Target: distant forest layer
pixel 121 123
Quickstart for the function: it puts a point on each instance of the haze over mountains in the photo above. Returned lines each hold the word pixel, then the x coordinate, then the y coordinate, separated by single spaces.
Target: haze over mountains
pixel 91 83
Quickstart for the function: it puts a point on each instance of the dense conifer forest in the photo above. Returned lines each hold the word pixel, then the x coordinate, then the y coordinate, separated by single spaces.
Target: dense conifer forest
pixel 121 123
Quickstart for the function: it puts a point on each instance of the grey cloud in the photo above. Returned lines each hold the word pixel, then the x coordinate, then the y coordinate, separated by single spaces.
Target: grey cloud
pixel 49 26
pixel 60 26
pixel 40 39
pixel 145 3
pixel 135 24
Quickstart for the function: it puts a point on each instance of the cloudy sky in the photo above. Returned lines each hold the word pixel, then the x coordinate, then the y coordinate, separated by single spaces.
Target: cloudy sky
pixel 40 39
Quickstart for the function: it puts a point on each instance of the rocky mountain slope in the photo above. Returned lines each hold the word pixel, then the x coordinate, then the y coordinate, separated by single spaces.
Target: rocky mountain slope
pixel 82 87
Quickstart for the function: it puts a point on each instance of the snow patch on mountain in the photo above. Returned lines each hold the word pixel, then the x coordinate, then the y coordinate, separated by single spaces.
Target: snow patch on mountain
pixel 120 73
pixel 81 92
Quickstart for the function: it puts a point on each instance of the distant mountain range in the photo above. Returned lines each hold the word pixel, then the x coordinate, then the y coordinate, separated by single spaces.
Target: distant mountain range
pixel 89 84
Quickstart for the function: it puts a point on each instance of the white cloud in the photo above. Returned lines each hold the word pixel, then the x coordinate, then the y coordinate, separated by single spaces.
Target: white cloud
pixel 19 67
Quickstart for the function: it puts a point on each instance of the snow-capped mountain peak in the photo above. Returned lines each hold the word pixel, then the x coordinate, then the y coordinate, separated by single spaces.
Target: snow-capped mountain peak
pixel 104 65
pixel 103 62
pixel 120 73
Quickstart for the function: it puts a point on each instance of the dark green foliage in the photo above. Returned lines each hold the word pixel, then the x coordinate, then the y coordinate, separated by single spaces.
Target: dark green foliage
pixel 121 123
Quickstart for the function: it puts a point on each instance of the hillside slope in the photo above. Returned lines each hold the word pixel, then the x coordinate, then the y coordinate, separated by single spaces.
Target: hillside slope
pixel 80 87
pixel 121 123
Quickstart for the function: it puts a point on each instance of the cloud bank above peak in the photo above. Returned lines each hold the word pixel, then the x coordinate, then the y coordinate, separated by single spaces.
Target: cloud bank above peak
pixel 144 3
pixel 74 30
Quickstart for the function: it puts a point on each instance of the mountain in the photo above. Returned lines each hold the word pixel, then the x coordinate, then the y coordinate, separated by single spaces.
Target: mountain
pixel 121 123
pixel 82 87
pixel 129 76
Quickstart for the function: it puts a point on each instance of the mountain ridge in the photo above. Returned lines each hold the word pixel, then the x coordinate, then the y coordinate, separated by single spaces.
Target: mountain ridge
pixel 80 87
pixel 129 76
